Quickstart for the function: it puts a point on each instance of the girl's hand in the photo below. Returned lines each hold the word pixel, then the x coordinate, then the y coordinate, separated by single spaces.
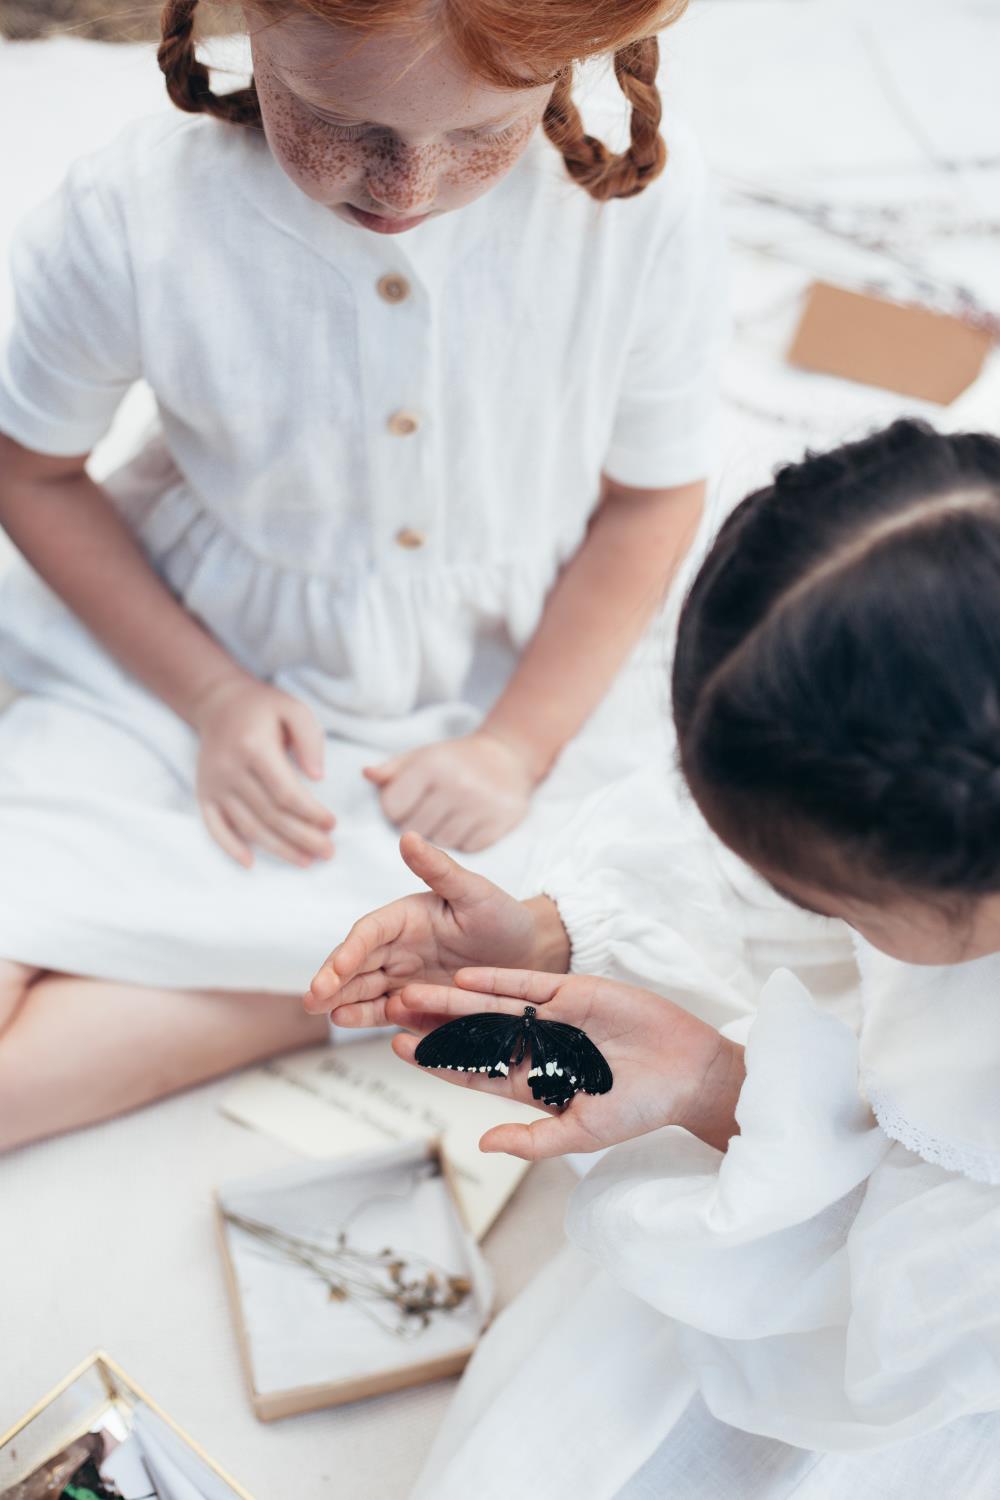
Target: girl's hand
pixel 248 787
pixel 465 793
pixel 669 1068
pixel 463 918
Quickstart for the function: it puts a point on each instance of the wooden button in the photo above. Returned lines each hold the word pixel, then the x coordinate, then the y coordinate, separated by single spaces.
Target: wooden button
pixel 407 537
pixel 393 288
pixel 403 423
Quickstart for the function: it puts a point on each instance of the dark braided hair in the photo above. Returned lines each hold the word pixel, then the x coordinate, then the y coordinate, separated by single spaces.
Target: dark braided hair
pixel 836 685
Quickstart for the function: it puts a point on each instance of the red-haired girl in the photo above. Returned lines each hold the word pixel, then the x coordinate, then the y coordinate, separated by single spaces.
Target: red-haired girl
pixel 418 477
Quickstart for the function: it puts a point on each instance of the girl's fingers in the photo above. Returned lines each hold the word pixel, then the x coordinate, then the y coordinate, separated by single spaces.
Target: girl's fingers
pixel 280 781
pixel 397 1014
pixel 226 838
pixel 374 985
pixel 384 772
pixel 522 984
pixel 369 986
pixel 443 1000
pixel 552 1136
pixel 360 1013
pixel 365 947
pixel 454 831
pixel 478 836
pixel 403 794
pixel 304 835
pixel 430 813
pixel 445 877
pixel 404 1044
pixel 253 831
pixel 323 992
pixel 305 738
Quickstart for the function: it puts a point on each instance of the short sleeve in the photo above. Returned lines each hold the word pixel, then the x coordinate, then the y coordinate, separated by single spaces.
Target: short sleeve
pixel 71 352
pixel 665 429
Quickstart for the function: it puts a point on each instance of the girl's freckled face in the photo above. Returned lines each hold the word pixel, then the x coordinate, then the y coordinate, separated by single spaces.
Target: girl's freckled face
pixel 380 132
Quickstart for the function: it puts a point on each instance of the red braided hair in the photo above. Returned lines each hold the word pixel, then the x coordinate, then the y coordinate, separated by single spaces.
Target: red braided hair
pixel 504 42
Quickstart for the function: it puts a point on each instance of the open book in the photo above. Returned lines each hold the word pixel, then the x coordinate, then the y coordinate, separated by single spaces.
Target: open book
pixel 343 1100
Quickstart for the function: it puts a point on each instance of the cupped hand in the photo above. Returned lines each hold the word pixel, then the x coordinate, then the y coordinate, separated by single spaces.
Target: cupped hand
pixel 462 918
pixel 669 1067
pixel 465 793
pixel 255 742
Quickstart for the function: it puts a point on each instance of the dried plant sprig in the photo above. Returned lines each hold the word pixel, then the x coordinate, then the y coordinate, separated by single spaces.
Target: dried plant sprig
pixel 890 232
pixel 375 1280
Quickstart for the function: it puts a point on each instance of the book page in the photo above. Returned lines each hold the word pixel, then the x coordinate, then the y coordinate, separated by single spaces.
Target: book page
pixel 341 1101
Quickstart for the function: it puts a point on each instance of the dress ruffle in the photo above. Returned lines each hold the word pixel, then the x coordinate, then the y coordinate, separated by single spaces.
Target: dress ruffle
pixel 829 1288
pixel 316 633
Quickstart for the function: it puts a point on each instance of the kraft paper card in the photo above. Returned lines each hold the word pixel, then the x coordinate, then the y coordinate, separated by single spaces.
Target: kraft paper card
pixel 929 355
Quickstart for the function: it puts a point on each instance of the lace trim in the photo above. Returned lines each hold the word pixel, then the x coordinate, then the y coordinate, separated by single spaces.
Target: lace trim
pixel 977 1162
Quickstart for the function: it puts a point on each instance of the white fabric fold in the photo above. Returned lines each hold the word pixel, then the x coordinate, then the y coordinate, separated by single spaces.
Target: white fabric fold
pixel 830 1289
pixel 821 1284
pixel 768 1210
pixel 930 1058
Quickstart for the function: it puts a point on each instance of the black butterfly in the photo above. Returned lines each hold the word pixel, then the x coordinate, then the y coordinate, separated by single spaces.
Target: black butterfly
pixel 564 1061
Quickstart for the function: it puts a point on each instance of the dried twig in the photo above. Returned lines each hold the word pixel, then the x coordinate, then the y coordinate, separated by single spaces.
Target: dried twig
pixel 374 1280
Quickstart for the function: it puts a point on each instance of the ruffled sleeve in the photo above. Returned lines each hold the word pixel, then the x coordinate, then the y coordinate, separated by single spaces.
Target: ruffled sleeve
pixel 830 1288
pixel 650 897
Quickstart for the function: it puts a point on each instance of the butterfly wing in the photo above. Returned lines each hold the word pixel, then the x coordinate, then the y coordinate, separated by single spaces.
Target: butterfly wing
pixel 472 1044
pixel 564 1061
pixel 593 1072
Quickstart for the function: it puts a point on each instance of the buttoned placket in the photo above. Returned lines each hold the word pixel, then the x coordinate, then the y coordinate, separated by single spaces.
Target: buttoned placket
pixel 398 378
pixel 397 359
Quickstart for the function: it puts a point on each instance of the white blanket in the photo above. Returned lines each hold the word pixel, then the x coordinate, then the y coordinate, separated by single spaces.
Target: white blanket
pixel 105 1237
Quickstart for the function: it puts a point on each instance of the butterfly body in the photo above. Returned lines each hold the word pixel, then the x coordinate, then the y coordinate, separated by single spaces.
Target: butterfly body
pixel 564 1061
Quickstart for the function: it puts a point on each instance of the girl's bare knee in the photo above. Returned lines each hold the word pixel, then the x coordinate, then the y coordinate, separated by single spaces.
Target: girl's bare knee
pixel 15 981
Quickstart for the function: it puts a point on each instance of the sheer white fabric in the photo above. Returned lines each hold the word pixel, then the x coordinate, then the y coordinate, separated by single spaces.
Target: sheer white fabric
pixel 930 1059
pixel 820 1286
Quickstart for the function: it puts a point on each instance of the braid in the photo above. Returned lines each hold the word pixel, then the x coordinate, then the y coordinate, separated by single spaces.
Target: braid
pixel 837 671
pixel 922 811
pixel 948 792
pixel 636 68
pixel 589 162
pixel 187 79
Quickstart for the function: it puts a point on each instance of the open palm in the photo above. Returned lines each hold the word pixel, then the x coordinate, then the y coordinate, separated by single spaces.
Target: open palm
pixel 659 1054
pixel 462 919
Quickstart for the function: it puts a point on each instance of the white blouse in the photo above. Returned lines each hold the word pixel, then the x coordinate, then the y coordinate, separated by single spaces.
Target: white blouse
pixel 376 451
pixel 832 1280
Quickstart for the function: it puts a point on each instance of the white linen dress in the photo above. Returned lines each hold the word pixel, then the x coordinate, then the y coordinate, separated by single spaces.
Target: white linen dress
pixel 372 456
pixel 815 1313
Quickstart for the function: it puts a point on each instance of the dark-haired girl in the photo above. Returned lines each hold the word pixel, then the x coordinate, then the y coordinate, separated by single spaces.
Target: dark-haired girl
pixel 434 369
pixel 785 1277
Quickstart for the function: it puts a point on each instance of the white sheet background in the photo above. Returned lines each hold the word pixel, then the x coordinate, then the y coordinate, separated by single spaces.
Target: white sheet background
pixel 106 1237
